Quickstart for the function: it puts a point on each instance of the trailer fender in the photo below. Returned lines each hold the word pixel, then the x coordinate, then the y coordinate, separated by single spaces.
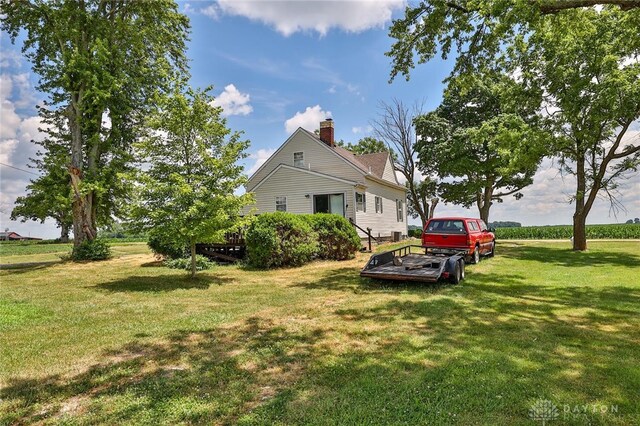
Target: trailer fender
pixel 450 267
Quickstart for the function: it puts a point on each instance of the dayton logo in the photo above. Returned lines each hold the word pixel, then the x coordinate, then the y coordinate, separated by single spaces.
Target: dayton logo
pixel 543 410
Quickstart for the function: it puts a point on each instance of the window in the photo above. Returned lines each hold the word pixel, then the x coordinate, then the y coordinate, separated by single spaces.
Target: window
pixel 361 202
pixel 281 204
pixel 329 203
pixel 298 159
pixel 473 225
pixel 446 227
pixel 400 211
pixel 483 226
pixel 378 204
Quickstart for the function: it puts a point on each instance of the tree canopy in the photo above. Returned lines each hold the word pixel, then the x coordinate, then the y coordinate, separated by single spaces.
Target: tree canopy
pixel 580 63
pixel 186 194
pixel 101 64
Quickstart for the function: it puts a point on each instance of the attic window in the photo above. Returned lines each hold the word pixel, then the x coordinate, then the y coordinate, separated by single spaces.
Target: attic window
pixel 298 159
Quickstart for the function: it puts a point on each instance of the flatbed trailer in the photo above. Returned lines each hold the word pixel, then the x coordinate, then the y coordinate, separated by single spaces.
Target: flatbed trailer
pixel 416 263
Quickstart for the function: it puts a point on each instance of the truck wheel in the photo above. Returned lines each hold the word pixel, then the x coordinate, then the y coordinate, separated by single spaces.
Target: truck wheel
pixel 493 249
pixel 461 262
pixel 457 274
pixel 475 259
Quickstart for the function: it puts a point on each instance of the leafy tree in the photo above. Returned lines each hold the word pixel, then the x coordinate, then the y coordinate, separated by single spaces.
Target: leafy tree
pixel 583 62
pixel 47 197
pixel 187 192
pixel 481 147
pixel 367 145
pixel 100 62
pixel 395 126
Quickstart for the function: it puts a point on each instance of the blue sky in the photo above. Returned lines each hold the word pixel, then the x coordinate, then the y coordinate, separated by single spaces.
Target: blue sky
pixel 277 65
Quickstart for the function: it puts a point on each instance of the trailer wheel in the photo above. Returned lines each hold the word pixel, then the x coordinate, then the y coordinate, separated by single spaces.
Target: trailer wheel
pixel 461 262
pixel 475 259
pixel 456 277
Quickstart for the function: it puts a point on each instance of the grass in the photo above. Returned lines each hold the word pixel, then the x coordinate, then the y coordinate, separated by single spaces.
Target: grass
pixel 128 341
pixel 26 252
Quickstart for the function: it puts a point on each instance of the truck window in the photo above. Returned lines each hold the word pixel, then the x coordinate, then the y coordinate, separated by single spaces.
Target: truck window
pixel 446 227
pixel 473 225
pixel 483 226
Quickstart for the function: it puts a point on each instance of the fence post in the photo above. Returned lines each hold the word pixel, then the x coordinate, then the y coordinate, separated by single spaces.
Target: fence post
pixel 369 234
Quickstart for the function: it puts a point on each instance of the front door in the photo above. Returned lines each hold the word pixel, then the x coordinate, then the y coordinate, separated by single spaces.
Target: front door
pixel 329 203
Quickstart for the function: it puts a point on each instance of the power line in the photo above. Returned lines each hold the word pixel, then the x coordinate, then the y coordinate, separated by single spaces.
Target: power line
pixel 17 168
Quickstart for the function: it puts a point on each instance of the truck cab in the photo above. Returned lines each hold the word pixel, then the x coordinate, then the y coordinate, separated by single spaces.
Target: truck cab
pixel 459 233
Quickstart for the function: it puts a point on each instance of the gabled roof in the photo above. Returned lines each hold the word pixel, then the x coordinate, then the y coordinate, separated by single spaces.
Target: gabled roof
pixel 367 163
pixel 301 170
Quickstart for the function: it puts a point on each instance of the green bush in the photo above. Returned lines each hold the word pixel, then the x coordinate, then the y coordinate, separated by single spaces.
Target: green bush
pixel 415 233
pixel 202 263
pixel 337 238
pixel 91 250
pixel 280 239
pixel 163 246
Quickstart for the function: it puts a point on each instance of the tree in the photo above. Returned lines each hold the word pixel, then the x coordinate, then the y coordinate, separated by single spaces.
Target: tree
pixel 480 143
pixel 101 62
pixel 395 127
pixel 583 61
pixel 367 145
pixel 187 192
pixel 48 196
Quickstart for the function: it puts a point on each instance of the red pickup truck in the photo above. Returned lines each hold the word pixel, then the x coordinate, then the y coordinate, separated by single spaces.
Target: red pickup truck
pixel 460 233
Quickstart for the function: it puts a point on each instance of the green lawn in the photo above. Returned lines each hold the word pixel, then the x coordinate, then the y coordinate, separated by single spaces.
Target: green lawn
pixel 127 341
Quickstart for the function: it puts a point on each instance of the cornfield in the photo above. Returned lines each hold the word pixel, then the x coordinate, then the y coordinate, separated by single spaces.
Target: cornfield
pixel 559 232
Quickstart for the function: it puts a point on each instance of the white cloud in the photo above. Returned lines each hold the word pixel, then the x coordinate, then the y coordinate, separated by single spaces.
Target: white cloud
pixel 289 17
pixel 233 102
pixel 260 157
pixel 211 11
pixel 332 89
pixel 309 119
pixel 356 129
pixel 7 146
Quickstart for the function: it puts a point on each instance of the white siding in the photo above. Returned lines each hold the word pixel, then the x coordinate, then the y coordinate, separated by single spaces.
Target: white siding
pixel 388 173
pixel 317 157
pixel 295 185
pixel 384 223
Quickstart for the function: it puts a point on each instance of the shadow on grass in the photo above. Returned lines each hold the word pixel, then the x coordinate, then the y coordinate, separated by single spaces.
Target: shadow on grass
pixel 162 283
pixel 567 257
pixel 194 377
pixel 21 268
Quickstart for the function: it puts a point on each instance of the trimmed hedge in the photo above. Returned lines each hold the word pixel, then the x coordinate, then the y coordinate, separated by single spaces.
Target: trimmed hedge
pixel 337 238
pixel 202 263
pixel 280 239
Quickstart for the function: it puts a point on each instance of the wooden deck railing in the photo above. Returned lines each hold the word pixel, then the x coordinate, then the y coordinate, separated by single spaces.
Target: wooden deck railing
pixel 367 232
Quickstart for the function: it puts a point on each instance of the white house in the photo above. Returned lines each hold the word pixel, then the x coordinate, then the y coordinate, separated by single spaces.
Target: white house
pixel 311 174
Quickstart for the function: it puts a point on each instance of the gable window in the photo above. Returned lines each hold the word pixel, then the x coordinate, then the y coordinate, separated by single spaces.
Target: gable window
pixel 361 202
pixel 400 211
pixel 378 204
pixel 298 159
pixel 281 204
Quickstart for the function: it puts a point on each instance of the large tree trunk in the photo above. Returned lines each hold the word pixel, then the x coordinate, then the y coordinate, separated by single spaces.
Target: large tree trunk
pixel 64 232
pixel 81 207
pixel 580 213
pixel 434 203
pixel 484 203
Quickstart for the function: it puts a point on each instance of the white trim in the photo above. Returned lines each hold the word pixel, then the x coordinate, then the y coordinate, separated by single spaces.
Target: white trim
pixel 298 169
pixel 386 182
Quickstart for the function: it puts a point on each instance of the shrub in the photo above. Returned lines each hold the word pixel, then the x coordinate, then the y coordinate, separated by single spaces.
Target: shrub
pixel 202 263
pixel 337 238
pixel 163 246
pixel 280 239
pixel 91 250
pixel 415 233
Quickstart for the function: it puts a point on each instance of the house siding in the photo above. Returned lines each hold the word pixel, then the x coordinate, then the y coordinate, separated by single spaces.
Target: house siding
pixel 295 184
pixel 389 173
pixel 386 223
pixel 316 158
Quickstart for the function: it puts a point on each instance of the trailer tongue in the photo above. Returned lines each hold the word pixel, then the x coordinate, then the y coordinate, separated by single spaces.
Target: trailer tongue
pixel 416 263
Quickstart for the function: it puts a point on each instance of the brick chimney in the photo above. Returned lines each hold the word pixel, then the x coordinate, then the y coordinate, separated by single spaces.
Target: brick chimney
pixel 326 132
